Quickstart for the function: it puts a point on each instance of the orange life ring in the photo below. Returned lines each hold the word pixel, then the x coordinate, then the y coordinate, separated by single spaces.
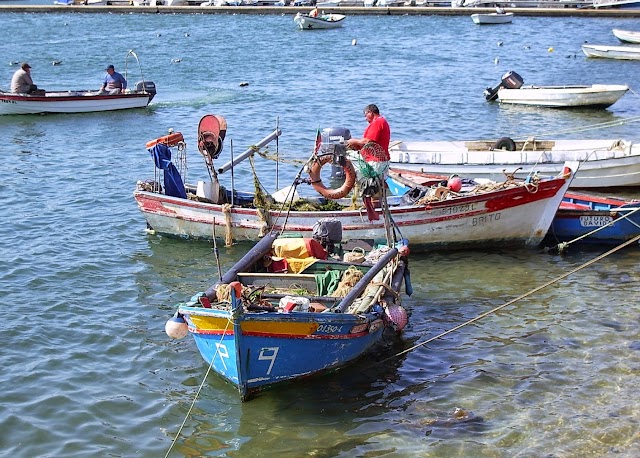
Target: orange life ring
pixel 169 140
pixel 316 180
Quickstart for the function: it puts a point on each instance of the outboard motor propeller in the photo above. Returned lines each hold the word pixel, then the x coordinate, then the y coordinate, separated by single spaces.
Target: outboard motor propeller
pixel 510 80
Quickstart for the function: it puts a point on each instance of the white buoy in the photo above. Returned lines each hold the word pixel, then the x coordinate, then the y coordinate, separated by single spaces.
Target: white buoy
pixel 176 327
pixel 496 61
pixel 354 42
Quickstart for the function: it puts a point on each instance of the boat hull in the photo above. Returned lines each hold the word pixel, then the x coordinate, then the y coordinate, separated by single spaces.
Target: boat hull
pixel 69 102
pixel 514 216
pixel 627 36
pixel 603 163
pixel 492 18
pixel 263 350
pixel 594 96
pixel 327 21
pixel 600 220
pixel 612 52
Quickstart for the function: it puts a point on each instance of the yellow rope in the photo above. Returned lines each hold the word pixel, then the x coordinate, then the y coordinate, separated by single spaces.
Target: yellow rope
pixel 500 307
pixel 350 277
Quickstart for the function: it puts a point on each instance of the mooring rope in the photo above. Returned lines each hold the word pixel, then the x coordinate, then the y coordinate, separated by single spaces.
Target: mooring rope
pixel 195 398
pixel 500 307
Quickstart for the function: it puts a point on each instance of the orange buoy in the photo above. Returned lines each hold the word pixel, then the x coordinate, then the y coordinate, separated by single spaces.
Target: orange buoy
pixel 316 180
pixel 169 140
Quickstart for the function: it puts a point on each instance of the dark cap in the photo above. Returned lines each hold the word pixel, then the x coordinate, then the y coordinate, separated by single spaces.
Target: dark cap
pixel 25 65
pixel 110 67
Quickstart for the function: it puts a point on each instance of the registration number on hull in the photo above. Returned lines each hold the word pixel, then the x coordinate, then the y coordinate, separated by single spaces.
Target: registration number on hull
pixel 595 221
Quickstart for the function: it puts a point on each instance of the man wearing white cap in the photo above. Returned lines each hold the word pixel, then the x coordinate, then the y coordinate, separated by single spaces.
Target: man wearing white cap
pixel 21 83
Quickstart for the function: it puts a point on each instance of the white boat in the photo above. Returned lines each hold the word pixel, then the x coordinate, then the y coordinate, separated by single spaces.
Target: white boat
pixel 617 4
pixel 80 2
pixel 323 21
pixel 612 52
pixel 603 163
pixel 78 101
pixel 514 212
pixel 510 90
pixel 627 36
pixel 594 96
pixel 492 18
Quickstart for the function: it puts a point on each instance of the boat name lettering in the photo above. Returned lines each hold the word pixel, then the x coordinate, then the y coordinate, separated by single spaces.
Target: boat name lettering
pixel 486 219
pixel 597 221
pixel 455 209
pixel 268 354
pixel 329 329
pixel 8 101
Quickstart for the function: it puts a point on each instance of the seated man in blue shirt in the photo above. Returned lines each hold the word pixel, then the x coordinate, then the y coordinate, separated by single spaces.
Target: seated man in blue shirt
pixel 114 82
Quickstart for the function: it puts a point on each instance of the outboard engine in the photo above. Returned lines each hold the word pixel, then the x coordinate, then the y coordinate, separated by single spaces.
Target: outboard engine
pixel 332 141
pixel 327 231
pixel 510 80
pixel 147 86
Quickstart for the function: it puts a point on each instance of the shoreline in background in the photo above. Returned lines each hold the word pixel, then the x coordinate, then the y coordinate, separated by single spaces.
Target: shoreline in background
pixel 370 11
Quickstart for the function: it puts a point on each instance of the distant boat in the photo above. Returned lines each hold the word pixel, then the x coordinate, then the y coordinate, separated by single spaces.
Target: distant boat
pixel 617 4
pixel 627 36
pixel 598 219
pixel 510 90
pixel 612 52
pixel 324 21
pixel 492 18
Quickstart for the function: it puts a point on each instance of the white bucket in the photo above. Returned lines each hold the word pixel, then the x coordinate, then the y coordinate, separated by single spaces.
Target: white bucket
pixel 208 190
pixel 294 304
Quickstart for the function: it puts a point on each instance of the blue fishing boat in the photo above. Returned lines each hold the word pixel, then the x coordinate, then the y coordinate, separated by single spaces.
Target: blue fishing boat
pixel 588 218
pixel 288 309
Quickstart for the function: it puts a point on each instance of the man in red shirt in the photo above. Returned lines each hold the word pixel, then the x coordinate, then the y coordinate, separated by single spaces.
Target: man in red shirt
pixel 377 131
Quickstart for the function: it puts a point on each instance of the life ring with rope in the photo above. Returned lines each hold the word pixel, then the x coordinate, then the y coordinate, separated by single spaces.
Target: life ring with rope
pixel 316 180
pixel 169 140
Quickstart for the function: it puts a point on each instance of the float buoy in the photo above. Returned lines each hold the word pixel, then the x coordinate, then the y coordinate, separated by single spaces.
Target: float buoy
pixel 176 327
pixel 454 183
pixel 169 140
pixel 504 143
pixel 316 180
pixel 397 316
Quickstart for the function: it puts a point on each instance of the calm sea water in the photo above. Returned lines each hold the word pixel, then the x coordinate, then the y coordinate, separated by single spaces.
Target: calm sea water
pixel 87 368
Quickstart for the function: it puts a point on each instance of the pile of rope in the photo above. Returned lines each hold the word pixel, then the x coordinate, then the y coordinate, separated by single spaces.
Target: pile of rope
pixel 350 277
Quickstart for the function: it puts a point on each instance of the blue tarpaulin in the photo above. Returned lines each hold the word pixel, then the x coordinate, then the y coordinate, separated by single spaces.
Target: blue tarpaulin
pixel 173 185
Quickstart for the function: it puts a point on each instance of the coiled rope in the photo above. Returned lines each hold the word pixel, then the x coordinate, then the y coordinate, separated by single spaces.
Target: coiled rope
pixel 500 307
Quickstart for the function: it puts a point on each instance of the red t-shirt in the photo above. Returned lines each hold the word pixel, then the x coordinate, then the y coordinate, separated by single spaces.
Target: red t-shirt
pixel 378 131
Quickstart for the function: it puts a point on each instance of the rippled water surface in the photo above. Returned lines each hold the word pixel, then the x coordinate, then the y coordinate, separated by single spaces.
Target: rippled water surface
pixel 87 368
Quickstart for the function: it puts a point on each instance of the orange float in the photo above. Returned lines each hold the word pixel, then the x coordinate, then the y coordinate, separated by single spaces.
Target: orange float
pixel 169 140
pixel 316 180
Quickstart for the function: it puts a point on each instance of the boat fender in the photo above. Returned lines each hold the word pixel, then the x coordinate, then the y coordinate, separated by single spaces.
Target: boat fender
pixel 169 140
pixel 316 180
pixel 176 327
pixel 504 143
pixel 454 183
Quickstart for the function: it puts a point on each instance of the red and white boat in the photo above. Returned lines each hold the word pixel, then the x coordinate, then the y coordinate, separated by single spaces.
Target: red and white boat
pixel 515 212
pixel 80 101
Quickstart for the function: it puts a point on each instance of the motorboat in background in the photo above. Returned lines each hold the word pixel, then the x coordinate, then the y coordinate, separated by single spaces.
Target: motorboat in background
pixel 612 52
pixel 499 17
pixel 617 4
pixel 627 36
pixel 78 101
pixel 511 90
pixel 321 22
